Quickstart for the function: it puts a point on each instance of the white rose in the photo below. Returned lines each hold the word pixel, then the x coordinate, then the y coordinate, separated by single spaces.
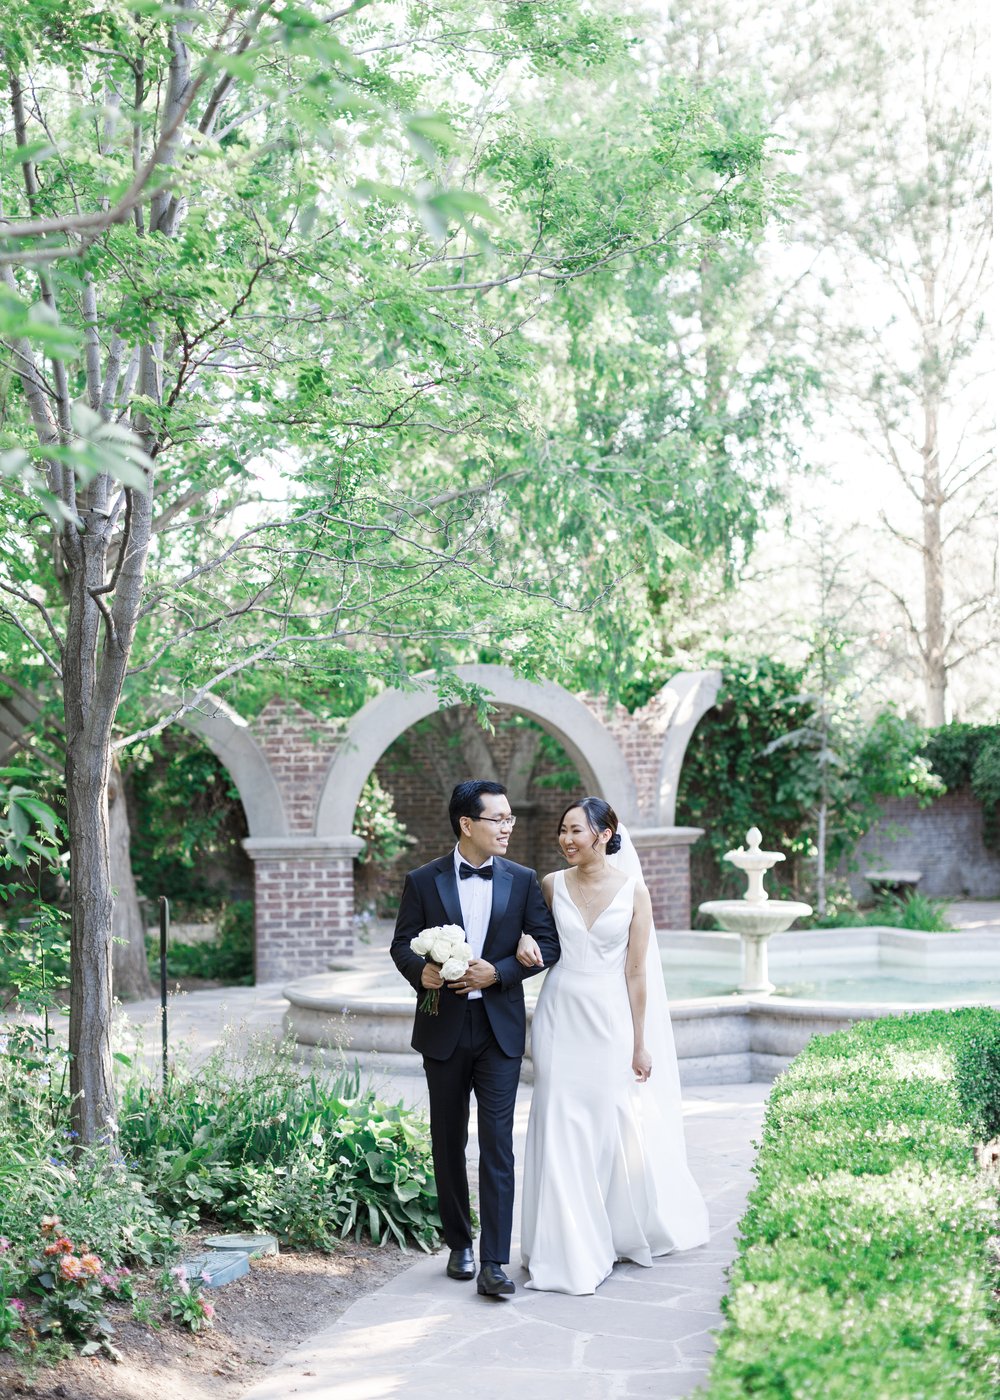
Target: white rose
pixel 421 945
pixel 442 948
pixel 453 968
pixel 464 951
pixel 453 931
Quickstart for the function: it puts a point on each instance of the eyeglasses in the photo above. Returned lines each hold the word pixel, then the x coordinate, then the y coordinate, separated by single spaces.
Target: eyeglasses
pixel 503 823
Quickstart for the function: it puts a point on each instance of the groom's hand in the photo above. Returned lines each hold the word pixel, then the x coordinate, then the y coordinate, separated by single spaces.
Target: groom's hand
pixel 430 977
pixel 478 974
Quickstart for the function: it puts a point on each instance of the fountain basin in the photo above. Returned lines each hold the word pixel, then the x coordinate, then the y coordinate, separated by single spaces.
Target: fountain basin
pixel 827 980
pixel 755 920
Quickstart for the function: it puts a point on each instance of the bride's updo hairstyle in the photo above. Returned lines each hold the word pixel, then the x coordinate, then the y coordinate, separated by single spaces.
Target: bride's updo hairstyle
pixel 600 817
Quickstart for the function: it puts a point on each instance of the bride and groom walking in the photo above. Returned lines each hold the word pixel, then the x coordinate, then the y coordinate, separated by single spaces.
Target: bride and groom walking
pixel 605 1173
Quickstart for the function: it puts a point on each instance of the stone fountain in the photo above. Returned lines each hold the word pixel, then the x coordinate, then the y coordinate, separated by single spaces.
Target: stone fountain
pixel 756 916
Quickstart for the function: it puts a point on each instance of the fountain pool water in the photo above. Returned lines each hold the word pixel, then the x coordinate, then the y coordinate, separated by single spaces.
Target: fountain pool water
pixel 868 966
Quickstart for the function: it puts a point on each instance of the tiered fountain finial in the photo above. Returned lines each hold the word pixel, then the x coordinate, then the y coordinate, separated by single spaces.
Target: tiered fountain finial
pixel 756 916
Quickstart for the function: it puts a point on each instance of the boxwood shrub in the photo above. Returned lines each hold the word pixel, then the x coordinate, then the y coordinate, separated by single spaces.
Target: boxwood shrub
pixel 977 1080
pixel 864 1265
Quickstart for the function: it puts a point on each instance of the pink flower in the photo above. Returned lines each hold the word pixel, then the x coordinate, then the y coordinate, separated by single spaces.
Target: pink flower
pixel 205 1276
pixel 17 1305
pixel 123 1272
pixel 70 1267
pixel 207 1309
pixel 108 1281
pixel 4 1244
pixel 90 1264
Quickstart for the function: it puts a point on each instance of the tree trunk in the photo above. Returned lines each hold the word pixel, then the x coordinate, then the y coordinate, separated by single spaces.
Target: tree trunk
pixel 935 667
pixel 130 969
pixel 821 860
pixel 91 902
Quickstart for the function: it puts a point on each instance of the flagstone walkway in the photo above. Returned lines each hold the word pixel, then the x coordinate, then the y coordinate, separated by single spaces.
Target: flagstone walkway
pixel 645 1332
pixel 424 1336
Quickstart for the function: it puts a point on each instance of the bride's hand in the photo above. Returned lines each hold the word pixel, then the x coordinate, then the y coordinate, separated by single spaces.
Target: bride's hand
pixel 642 1065
pixel 528 952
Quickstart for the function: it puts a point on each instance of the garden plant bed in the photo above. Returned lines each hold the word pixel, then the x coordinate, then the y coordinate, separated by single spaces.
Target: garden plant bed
pixel 284 1299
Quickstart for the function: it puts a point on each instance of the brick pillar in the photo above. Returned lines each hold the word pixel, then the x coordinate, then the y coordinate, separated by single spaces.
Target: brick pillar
pixel 665 853
pixel 304 897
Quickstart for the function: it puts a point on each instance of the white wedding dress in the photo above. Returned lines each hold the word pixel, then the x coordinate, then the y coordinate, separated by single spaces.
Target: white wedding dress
pixel 605 1173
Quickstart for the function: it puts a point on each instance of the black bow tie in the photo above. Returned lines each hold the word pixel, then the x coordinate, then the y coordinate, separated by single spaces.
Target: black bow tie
pixel 465 871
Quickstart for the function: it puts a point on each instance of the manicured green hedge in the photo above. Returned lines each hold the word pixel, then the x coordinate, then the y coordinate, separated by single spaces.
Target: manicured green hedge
pixel 864 1267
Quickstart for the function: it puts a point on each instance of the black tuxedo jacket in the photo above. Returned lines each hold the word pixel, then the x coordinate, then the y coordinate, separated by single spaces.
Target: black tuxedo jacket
pixel 430 898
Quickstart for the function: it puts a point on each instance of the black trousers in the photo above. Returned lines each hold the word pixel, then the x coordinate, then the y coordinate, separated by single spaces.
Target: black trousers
pixel 477 1065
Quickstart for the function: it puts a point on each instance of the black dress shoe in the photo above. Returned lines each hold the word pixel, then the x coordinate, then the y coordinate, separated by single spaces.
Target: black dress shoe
pixel 493 1282
pixel 461 1264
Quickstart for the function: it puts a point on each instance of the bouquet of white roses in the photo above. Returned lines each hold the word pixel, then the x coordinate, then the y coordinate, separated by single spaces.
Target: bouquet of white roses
pixel 446 946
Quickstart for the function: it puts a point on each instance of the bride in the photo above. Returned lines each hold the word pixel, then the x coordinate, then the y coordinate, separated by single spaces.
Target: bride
pixel 605 1175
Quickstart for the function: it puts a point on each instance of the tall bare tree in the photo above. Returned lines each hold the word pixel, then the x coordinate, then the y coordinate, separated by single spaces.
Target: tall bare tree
pixel 881 279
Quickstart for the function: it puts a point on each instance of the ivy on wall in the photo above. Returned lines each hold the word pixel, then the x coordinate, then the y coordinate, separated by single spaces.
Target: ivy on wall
pixel 968 755
pixel 737 773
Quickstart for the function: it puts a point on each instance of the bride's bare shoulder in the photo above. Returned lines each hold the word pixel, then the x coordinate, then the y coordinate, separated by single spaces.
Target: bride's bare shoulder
pixel 640 897
pixel 548 885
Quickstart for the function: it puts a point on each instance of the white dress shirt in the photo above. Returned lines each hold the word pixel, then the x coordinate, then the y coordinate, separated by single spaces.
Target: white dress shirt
pixel 476 898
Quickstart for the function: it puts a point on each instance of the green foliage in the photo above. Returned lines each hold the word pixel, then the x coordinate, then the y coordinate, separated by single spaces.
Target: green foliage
pixel 34 955
pixel 863 1264
pixel 917 911
pixel 99 1200
pixel 730 780
pixel 376 822
pixel 977 1080
pixel 911 910
pixel 188 824
pixel 745 766
pixel 34 950
pixel 248 1139
pixel 228 958
pixel 185 1299
pixel 968 755
pixel 28 825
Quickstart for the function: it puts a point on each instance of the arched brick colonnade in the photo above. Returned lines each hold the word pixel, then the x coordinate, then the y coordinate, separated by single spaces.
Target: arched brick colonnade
pixel 300 779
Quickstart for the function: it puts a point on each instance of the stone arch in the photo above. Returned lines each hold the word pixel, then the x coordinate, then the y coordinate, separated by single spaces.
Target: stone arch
pixel 593 749
pixel 228 735
pixel 696 693
pixel 219 727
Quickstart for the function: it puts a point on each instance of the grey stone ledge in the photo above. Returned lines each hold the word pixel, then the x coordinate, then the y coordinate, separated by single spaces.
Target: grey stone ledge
pixel 650 837
pixel 301 847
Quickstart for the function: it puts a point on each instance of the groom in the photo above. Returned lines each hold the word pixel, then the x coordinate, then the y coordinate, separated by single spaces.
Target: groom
pixel 476 1041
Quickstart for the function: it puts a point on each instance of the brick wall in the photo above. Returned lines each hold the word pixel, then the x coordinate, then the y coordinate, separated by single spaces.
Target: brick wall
pixel 299 749
pixel 944 841
pixel 640 737
pixel 667 875
pixel 304 915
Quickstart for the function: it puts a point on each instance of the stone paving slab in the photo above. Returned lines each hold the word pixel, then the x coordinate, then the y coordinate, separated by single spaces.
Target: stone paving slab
pixel 645 1332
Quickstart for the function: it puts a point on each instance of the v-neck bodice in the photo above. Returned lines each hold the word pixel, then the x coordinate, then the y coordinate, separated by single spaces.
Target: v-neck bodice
pixel 601 947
